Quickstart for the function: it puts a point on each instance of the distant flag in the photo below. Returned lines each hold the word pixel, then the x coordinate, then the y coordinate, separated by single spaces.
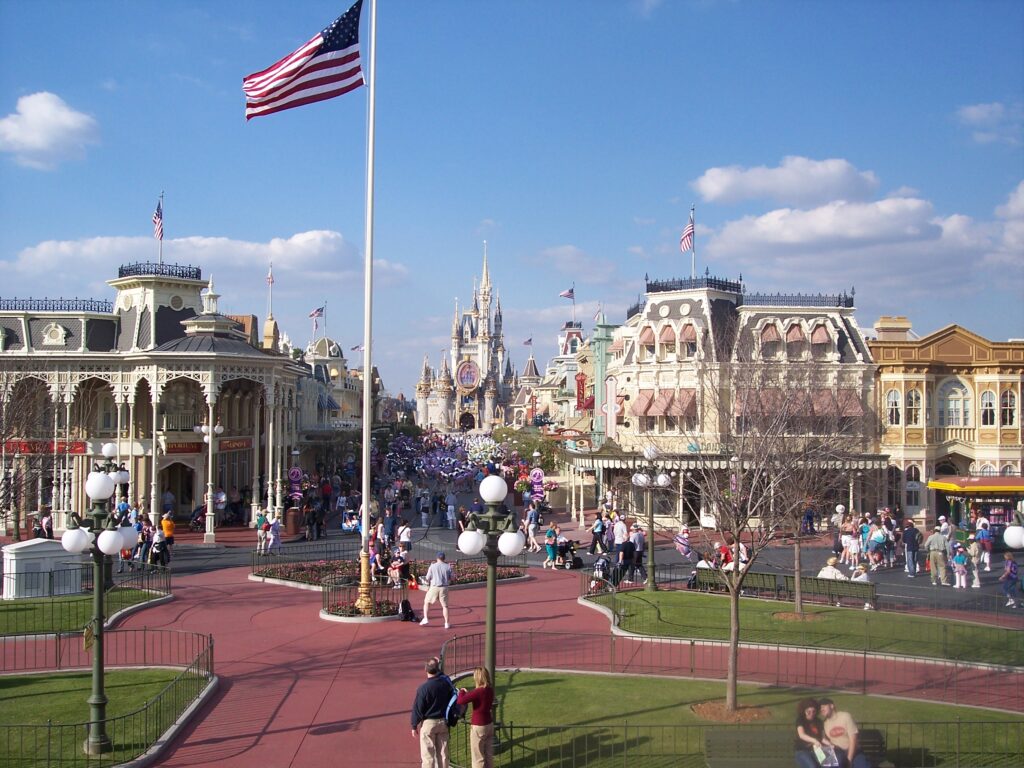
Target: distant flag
pixel 318 312
pixel 357 348
pixel 158 221
pixel 569 294
pixel 326 66
pixel 270 275
pixel 597 315
pixel 686 241
pixel 528 342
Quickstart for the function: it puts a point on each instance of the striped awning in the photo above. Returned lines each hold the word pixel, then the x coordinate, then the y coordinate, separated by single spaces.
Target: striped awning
pixel 661 403
pixel 642 402
pixel 820 335
pixel 688 335
pixel 684 403
pixel 647 335
pixel 795 333
pixel 770 333
pixel 667 335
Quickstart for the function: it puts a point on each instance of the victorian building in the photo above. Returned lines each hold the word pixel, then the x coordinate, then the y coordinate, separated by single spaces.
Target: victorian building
pixel 146 372
pixel 474 383
pixel 950 408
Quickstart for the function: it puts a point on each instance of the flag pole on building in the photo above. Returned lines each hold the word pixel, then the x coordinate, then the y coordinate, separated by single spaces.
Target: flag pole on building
pixel 686 244
pixel 158 227
pixel 270 291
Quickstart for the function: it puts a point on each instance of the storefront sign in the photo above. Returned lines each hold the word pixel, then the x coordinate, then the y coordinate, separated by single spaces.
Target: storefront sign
pixel 537 483
pixel 183 448
pixel 76 447
pixel 234 444
pixel 581 390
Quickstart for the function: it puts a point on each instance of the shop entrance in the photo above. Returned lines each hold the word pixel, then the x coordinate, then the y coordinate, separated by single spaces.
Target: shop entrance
pixel 180 480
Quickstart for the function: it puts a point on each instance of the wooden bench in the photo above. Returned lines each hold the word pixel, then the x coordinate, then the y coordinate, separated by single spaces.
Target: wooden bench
pixel 709 579
pixel 772 746
pixel 833 590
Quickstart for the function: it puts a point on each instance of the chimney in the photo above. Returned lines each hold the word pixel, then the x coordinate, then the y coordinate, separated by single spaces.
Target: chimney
pixel 892 328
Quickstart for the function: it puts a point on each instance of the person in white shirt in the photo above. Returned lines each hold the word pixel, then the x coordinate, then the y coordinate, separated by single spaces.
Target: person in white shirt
pixel 831 572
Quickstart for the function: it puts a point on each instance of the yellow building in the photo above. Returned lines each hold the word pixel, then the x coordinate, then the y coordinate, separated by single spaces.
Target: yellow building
pixel 950 406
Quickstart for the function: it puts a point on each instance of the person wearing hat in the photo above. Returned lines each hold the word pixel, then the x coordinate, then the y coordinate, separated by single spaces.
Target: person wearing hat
pixel 959 563
pixel 830 571
pixel 974 553
pixel 936 549
pixel 439 578
pixel 861 575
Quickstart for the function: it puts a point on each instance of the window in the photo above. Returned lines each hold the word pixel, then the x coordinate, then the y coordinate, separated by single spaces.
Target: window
pixel 987 470
pixel 954 404
pixel 913 408
pixel 1009 469
pixel 671 424
pixel 771 343
pixel 988 408
pixel 821 342
pixel 892 408
pixel 913 491
pixel 894 490
pixel 796 343
pixel 1008 408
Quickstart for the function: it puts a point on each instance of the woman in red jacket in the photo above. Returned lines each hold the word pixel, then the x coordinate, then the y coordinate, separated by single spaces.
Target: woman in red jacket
pixel 481 736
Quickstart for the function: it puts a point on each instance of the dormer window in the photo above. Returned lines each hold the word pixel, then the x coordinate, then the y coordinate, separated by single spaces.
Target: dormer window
pixel 771 343
pixel 688 341
pixel 796 343
pixel 55 335
pixel 667 343
pixel 821 342
pixel 646 342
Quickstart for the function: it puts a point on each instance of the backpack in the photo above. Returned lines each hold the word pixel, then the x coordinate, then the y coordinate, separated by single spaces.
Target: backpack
pixel 405 611
pixel 454 712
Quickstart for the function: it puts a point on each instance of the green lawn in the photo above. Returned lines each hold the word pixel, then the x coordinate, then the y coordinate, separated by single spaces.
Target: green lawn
pixel 62 614
pixel 699 615
pixel 61 699
pixel 599 720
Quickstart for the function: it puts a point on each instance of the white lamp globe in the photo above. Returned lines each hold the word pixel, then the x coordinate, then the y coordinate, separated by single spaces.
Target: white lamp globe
pixel 198 429
pixel 109 450
pixel 664 481
pixel 114 475
pixel 493 489
pixel 840 509
pixel 206 439
pixel 650 452
pixel 511 543
pixel 110 542
pixel 99 486
pixel 471 542
pixel 124 477
pixel 129 536
pixel 219 430
pixel 74 540
pixel 1013 537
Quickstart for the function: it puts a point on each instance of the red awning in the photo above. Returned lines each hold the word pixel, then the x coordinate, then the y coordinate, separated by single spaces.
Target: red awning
pixel 688 335
pixel 616 346
pixel 746 401
pixel 820 335
pixel 770 333
pixel 684 404
pixel 667 335
pixel 795 333
pixel 799 402
pixel 661 403
pixel 647 335
pixel 642 402
pixel 849 403
pixel 823 403
pixel 588 404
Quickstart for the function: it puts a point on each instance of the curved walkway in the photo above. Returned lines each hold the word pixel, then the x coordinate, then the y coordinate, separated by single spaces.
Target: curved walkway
pixel 298 691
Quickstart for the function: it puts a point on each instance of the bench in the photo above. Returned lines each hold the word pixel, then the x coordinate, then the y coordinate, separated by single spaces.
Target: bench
pixel 833 590
pixel 772 747
pixel 709 579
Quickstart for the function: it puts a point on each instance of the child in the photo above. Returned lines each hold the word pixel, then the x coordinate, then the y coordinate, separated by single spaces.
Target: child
pixel 960 567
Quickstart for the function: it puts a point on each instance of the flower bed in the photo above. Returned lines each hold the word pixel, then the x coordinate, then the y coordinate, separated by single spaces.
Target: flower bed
pixel 347 571
pixel 348 608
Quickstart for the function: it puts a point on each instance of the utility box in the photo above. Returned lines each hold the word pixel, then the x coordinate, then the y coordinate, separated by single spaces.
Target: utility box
pixel 40 568
pixel 292 522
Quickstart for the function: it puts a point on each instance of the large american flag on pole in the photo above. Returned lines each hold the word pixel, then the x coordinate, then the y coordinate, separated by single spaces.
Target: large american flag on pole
pixel 158 221
pixel 686 241
pixel 326 66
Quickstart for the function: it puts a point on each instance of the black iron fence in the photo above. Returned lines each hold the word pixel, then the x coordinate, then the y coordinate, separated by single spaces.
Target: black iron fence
pixel 340 598
pixel 64 601
pixel 50 744
pixel 959 744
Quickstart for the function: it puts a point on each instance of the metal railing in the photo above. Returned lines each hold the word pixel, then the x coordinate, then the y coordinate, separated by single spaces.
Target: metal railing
pixel 964 744
pixel 50 744
pixel 844 300
pixel 949 682
pixel 56 305
pixel 68 607
pixel 339 598
pixel 164 270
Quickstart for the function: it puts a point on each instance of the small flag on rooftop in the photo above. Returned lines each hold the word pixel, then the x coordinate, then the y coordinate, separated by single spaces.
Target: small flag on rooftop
pixel 569 294
pixel 528 342
pixel 357 348
pixel 328 65
pixel 158 221
pixel 686 241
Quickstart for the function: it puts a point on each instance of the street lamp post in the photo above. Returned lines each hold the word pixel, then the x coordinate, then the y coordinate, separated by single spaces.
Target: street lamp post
pixel 646 480
pixel 106 539
pixel 209 433
pixel 492 532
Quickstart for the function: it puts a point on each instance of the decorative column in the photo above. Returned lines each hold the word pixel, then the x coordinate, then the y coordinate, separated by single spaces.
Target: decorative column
pixel 271 400
pixel 154 494
pixel 255 485
pixel 210 537
pixel 131 450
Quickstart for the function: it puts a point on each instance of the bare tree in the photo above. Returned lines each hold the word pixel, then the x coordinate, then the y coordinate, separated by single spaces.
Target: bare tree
pixel 787 432
pixel 26 429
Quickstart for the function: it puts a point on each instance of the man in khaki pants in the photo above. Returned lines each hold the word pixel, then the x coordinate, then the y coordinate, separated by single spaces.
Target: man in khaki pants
pixel 428 711
pixel 936 548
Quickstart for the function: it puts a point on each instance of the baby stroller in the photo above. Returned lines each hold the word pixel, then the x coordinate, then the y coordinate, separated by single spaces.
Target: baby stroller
pixel 567 555
pixel 198 521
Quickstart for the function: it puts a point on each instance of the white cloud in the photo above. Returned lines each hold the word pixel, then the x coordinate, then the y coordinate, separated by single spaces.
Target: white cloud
pixel 795 181
pixel 1010 246
pixel 44 131
pixel 577 264
pixel 994 122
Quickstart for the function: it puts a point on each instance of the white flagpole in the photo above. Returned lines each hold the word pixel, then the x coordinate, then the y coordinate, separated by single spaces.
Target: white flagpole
pixel 693 248
pixel 367 491
pixel 160 251
pixel 574 303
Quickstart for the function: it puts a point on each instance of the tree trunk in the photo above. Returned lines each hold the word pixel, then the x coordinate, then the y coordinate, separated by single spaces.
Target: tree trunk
pixel 734 649
pixel 797 594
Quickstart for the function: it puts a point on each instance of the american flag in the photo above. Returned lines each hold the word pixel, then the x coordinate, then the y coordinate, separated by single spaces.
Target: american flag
pixel 318 312
pixel 357 348
pixel 158 221
pixel 686 241
pixel 569 294
pixel 528 342
pixel 597 315
pixel 326 66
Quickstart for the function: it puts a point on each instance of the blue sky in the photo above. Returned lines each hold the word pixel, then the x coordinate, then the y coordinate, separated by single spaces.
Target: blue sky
pixel 825 145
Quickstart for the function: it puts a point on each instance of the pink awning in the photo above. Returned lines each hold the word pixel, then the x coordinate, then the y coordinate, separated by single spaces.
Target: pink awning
pixel 820 335
pixel 588 404
pixel 823 403
pixel 647 335
pixel 770 333
pixel 667 335
pixel 642 402
pixel 849 403
pixel 688 335
pixel 661 403
pixel 684 403
pixel 616 346
pixel 746 402
pixel 795 333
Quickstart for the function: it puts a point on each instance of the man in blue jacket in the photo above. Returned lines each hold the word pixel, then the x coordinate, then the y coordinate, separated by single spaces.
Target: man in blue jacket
pixel 428 716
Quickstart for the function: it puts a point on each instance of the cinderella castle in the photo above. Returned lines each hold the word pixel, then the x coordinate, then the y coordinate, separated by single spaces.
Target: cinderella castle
pixel 476 382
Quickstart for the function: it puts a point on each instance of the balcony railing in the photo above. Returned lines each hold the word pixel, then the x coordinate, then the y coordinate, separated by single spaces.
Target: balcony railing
pixel 165 270
pixel 949 434
pixel 843 300
pixel 56 305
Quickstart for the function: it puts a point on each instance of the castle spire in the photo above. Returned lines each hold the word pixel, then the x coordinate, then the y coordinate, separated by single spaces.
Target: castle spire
pixel 485 278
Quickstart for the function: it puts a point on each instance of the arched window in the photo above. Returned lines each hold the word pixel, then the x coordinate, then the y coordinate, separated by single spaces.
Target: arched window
pixel 954 404
pixel 796 343
pixel 771 342
pixel 894 491
pixel 988 408
pixel 821 342
pixel 913 475
pixel 892 408
pixel 987 470
pixel 1009 469
pixel 913 408
pixel 1008 408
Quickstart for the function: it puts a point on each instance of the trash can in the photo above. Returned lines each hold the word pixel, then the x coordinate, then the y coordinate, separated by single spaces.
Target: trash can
pixel 292 521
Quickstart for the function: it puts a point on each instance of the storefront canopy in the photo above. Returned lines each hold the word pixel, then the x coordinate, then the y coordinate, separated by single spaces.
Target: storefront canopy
pixel 992 485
